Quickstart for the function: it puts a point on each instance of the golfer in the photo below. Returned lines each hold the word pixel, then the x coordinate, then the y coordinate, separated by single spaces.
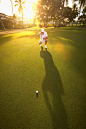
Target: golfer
pixel 43 38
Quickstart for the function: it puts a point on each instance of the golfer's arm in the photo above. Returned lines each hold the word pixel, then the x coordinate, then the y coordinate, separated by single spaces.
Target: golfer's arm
pixel 38 34
pixel 46 37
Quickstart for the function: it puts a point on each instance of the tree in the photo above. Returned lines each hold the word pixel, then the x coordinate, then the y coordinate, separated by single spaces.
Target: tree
pixel 60 11
pixel 12 6
pixel 70 14
pixel 48 10
pixel 20 9
pixel 74 7
pixel 1 21
pixel 6 21
pixel 84 10
pixel 13 14
pixel 82 3
pixel 75 10
pixel 66 2
pixel 14 18
pixel 82 18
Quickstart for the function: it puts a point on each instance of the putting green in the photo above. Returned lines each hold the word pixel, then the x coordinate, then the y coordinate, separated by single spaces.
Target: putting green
pixel 59 75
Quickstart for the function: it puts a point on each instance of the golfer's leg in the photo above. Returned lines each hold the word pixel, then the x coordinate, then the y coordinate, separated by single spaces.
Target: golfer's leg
pixel 45 43
pixel 40 43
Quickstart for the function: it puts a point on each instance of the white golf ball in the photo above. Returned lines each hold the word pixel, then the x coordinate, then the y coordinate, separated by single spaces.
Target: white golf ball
pixel 36 91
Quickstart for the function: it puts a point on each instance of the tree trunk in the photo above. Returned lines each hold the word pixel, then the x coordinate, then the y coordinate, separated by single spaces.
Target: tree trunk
pixel 83 23
pixel 12 6
pixel 80 23
pixel 3 24
pixel 14 24
pixel 12 12
pixel 44 23
pixel 22 21
pixel 53 22
pixel 22 18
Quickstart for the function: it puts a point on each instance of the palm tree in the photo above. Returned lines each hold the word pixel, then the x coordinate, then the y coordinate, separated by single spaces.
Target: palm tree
pixel 84 14
pixel 1 20
pixel 84 10
pixel 14 18
pixel 82 3
pixel 12 12
pixel 12 6
pixel 20 9
pixel 74 7
pixel 66 2
pixel 75 10
pixel 63 1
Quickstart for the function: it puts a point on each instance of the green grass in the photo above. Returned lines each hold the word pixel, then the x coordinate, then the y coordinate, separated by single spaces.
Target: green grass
pixel 59 75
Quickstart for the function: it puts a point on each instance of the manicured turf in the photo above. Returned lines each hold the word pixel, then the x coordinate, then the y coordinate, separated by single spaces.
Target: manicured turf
pixel 59 74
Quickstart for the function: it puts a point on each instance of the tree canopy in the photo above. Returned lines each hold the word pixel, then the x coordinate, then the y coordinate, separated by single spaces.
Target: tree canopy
pixel 48 10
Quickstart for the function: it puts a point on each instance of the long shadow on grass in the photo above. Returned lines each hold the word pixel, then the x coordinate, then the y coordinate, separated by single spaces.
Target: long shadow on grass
pixel 52 91
pixel 74 42
pixel 4 39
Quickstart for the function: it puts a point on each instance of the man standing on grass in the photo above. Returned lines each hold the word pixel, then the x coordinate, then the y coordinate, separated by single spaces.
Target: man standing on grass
pixel 43 38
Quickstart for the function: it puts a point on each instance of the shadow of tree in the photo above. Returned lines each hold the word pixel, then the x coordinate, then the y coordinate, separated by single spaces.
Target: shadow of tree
pixel 4 39
pixel 52 85
pixel 74 42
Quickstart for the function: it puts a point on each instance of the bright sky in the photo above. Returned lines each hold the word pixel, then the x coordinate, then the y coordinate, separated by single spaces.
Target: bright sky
pixel 5 7
pixel 70 3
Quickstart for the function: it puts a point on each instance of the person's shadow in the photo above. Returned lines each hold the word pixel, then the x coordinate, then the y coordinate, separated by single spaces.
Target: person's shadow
pixel 52 91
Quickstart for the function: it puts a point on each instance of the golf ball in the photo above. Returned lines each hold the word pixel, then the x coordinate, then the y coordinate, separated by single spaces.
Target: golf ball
pixel 36 91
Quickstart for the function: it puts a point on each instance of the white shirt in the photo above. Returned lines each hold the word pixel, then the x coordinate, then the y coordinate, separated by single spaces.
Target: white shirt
pixel 43 35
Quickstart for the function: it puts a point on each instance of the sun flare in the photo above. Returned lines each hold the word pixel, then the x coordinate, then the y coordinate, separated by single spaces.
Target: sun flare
pixel 29 11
